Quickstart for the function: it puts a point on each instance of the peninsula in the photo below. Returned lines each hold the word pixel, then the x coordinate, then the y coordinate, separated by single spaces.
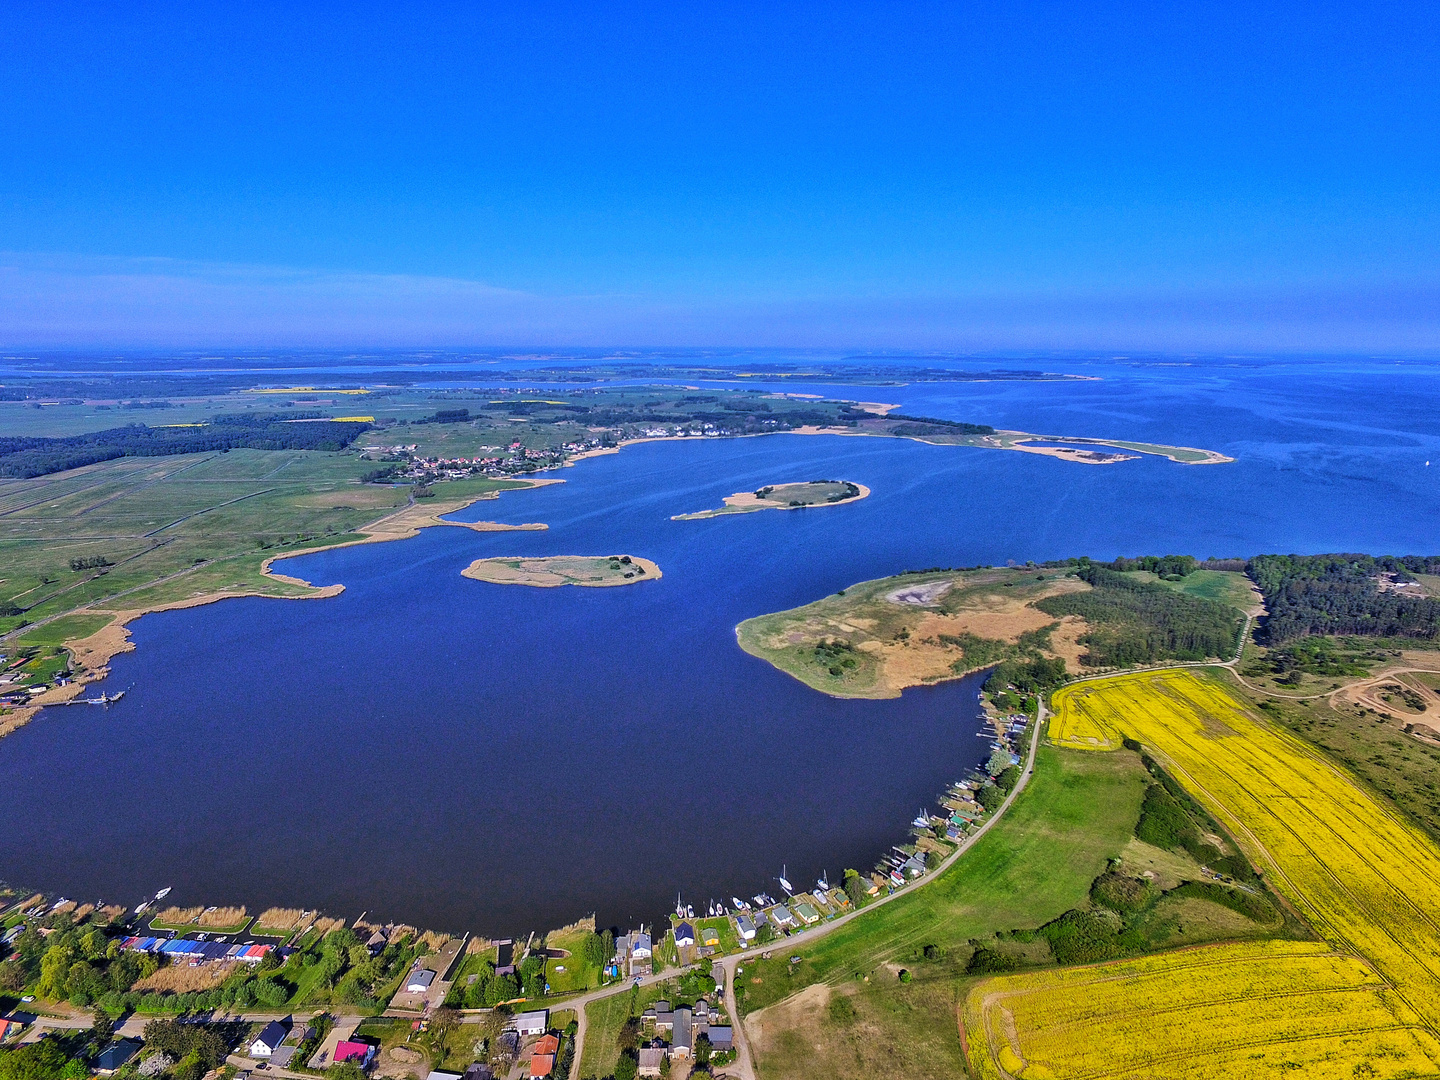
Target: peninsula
pixel 546 573
pixel 876 638
pixel 795 496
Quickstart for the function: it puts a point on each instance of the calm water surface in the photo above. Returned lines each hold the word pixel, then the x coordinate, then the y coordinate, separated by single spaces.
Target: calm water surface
pixel 465 755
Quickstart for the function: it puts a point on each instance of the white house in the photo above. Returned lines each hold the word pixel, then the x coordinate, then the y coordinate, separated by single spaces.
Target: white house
pixel 531 1023
pixel 640 946
pixel 269 1040
pixel 419 981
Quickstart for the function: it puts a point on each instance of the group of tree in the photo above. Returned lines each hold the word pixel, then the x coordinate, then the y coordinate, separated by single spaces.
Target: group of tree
pixel 490 988
pixel 79 964
pixel 929 425
pixel 1139 622
pixel 1342 594
pixel 26 456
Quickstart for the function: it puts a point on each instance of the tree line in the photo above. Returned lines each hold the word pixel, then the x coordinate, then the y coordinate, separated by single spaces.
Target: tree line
pixel 26 456
pixel 1138 622
pixel 1342 594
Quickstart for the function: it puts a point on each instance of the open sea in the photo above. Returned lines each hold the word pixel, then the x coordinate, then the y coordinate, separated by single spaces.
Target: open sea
pixel 461 755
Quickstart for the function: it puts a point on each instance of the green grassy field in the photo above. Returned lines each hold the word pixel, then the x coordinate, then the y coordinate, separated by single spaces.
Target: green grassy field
pixel 577 975
pixel 1037 862
pixel 1222 585
pixel 605 1018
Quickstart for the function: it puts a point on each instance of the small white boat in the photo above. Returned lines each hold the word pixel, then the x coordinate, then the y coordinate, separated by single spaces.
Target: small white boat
pixel 824 883
pixel 163 892
pixel 783 883
pixel 740 905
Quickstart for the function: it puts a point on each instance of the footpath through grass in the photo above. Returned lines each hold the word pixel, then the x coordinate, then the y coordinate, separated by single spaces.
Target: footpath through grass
pixel 1037 862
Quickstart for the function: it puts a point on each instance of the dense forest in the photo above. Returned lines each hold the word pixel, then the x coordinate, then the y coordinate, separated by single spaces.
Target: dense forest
pixel 929 425
pixel 1137 622
pixel 1374 596
pixel 26 457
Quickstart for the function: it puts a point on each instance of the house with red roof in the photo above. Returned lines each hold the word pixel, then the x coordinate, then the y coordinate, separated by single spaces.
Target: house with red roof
pixel 360 1053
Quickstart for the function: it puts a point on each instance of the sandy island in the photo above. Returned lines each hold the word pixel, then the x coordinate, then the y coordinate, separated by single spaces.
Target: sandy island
pixel 796 496
pixel 595 571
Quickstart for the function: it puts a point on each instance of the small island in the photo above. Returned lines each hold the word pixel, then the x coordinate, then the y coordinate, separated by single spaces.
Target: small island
pixel 548 572
pixel 785 497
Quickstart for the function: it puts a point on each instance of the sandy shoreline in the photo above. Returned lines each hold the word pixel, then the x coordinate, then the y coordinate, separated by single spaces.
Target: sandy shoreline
pixel 94 652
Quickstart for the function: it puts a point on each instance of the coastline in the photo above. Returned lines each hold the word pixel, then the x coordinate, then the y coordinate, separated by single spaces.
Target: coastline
pixel 94 651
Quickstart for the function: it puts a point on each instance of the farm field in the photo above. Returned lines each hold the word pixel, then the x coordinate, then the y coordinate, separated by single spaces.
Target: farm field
pixel 1258 1009
pixel 1366 879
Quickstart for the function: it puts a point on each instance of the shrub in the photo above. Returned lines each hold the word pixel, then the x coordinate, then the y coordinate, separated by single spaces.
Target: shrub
pixel 1123 893
pixel 989 962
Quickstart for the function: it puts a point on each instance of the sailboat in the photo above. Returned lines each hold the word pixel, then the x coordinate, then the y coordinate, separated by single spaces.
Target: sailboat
pixel 783 883
pixel 824 883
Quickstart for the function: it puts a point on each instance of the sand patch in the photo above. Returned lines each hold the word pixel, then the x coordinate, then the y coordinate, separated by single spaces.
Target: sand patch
pixel 921 595
pixel 1398 691
pixel 997 625
pixel 797 1012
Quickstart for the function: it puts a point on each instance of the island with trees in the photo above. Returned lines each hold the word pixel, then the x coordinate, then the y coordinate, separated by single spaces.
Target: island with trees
pixel 794 496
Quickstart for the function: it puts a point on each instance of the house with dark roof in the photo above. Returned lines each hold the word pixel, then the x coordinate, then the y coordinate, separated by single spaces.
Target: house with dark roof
pixel 721 1036
pixel 684 935
pixel 682 1037
pixel 269 1039
pixel 113 1056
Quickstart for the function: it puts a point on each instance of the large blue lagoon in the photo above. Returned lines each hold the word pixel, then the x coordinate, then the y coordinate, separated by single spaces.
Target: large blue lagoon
pixel 499 758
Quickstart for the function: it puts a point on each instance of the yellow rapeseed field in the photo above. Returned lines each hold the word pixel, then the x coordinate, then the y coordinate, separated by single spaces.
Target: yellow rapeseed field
pixel 1368 882
pixel 1228 1012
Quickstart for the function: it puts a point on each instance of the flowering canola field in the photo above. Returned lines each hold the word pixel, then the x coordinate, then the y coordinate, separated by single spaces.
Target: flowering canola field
pixel 1368 882
pixel 1226 1012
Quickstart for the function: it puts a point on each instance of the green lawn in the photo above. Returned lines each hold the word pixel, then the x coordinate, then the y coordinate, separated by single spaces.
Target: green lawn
pixel 577 975
pixel 1037 862
pixel 1223 585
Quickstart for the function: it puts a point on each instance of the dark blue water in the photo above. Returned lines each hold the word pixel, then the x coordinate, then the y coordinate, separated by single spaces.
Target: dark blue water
pixel 465 755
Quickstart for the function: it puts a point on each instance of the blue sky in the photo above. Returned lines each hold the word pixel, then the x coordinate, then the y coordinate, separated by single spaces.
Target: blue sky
pixel 999 177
